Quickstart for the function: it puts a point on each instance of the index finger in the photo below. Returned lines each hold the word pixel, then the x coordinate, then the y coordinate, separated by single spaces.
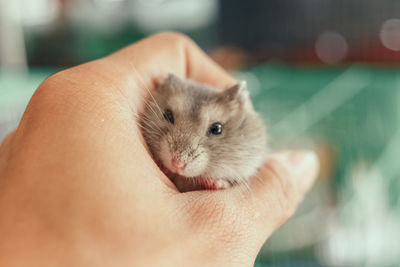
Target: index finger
pixel 163 53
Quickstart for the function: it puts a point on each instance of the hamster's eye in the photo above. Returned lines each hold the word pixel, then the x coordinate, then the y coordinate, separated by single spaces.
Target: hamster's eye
pixel 215 128
pixel 169 116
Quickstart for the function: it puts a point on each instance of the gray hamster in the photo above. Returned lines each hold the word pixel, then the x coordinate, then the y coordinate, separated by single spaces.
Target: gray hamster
pixel 203 137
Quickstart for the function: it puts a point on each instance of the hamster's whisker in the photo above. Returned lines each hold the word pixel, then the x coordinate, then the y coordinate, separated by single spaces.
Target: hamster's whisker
pixel 147 119
pixel 153 125
pixel 149 105
pixel 243 184
pixel 159 116
pixel 141 126
pixel 151 131
pixel 147 125
pixel 156 117
pixel 144 85
pixel 150 126
pixel 246 184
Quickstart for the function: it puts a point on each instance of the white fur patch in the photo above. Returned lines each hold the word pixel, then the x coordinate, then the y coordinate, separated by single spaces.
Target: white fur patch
pixel 195 167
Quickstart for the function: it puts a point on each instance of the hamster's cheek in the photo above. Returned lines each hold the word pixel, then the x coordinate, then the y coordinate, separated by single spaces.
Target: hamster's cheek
pixel 196 167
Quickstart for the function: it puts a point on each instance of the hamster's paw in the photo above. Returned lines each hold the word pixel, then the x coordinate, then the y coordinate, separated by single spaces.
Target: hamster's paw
pixel 221 184
pixel 218 184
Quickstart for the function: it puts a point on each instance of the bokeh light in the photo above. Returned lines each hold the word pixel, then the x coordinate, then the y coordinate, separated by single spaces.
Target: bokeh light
pixel 390 34
pixel 331 47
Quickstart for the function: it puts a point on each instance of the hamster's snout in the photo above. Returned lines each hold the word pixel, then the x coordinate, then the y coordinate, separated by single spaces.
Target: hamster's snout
pixel 178 164
pixel 186 159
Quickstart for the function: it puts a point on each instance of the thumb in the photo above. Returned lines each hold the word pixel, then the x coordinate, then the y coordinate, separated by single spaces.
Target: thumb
pixel 247 215
pixel 269 199
pixel 280 186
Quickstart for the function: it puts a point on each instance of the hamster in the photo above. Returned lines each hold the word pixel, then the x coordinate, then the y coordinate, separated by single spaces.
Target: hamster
pixel 203 137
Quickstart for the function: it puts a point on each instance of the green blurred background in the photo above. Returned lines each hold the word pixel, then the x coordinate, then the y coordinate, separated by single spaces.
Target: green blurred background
pixel 323 74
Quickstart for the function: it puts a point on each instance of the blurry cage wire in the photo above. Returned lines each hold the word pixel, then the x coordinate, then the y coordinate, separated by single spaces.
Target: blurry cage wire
pixel 9 118
pixel 355 112
pixel 11 110
pixel 16 89
pixel 67 32
pixel 330 31
pixel 12 43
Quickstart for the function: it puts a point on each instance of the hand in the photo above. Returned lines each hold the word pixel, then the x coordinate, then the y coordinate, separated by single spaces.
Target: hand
pixel 79 188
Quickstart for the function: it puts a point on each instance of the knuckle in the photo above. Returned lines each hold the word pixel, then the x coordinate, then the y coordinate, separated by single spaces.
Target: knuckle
pixel 174 37
pixel 48 83
pixel 175 40
pixel 50 88
pixel 51 84
pixel 61 94
pixel 45 90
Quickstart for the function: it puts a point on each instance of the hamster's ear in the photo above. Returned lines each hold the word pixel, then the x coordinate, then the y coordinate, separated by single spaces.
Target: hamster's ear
pixel 172 78
pixel 171 82
pixel 238 91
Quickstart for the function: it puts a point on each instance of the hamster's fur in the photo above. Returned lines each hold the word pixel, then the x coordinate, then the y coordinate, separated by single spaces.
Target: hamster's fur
pixel 176 126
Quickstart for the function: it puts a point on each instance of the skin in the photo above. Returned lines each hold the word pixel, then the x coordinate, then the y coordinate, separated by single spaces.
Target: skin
pixel 79 188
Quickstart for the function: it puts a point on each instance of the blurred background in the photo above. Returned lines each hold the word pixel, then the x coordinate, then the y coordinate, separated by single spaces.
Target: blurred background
pixel 324 74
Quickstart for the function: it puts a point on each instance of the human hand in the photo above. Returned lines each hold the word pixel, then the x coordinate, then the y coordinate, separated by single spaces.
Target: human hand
pixel 79 188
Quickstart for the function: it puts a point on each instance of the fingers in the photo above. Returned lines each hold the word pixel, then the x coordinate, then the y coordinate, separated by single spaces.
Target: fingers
pixel 170 52
pixel 241 218
pixel 272 197
pixel 282 183
pixel 298 168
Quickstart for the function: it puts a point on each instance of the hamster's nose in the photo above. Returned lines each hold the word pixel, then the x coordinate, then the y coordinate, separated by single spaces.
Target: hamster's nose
pixel 178 164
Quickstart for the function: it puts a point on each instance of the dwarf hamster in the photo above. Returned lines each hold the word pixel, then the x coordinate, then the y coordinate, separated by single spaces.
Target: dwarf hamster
pixel 203 137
